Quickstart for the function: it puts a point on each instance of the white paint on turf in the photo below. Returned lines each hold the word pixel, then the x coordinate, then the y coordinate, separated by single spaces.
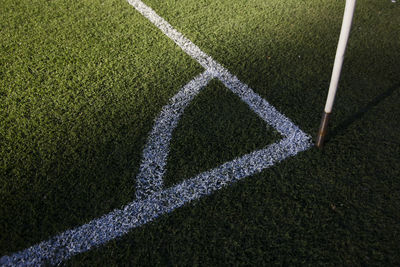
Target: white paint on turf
pixel 151 199
pixel 282 124
pixel 190 48
pixel 156 150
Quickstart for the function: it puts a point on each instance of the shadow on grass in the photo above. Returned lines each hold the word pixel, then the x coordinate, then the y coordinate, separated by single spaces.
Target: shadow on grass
pixel 342 127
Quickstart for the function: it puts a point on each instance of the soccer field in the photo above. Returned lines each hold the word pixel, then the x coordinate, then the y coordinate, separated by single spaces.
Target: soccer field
pixel 136 143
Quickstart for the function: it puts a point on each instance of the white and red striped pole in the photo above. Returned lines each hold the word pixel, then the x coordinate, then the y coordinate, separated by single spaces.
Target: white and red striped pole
pixel 337 67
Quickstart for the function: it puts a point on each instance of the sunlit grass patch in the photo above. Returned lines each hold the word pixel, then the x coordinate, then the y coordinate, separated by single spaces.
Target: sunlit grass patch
pixel 81 83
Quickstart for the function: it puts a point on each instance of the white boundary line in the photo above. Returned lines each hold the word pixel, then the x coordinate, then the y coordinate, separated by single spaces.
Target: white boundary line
pixel 283 125
pixel 152 200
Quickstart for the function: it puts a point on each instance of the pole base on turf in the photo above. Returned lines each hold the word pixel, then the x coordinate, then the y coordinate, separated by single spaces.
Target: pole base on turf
pixel 323 128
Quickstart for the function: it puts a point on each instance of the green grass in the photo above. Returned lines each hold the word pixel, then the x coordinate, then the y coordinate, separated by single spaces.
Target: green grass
pixel 81 83
pixel 80 86
pixel 216 127
pixel 285 49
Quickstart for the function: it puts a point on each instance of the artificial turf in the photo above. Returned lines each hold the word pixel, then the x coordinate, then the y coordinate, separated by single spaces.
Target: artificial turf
pixel 81 83
pixel 216 128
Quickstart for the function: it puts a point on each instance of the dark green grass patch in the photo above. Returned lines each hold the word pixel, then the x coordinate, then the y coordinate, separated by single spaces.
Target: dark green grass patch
pixel 80 85
pixel 335 207
pixel 339 206
pixel 217 127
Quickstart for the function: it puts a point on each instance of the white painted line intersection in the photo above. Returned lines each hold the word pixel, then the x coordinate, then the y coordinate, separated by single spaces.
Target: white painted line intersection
pixel 152 199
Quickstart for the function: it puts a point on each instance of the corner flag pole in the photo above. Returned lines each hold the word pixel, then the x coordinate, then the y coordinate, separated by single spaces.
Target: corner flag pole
pixel 337 67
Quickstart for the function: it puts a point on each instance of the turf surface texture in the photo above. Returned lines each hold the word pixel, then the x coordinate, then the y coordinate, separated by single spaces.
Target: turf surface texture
pixel 80 86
